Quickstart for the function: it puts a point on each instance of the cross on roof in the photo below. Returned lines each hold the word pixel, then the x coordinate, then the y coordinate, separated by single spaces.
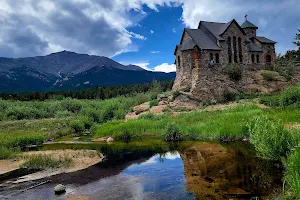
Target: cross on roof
pixel 246 17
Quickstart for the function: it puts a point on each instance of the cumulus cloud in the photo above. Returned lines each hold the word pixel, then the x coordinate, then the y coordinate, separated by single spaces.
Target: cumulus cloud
pixel 101 26
pixel 165 67
pixel 155 52
pixel 173 30
pixel 84 26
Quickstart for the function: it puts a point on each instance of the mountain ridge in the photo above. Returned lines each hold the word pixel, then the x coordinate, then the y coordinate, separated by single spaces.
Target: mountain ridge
pixel 70 71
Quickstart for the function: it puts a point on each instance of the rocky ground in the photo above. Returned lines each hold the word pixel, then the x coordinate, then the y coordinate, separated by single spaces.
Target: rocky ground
pixel 181 104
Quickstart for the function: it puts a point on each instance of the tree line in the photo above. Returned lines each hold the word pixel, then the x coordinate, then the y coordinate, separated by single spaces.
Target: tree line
pixel 101 93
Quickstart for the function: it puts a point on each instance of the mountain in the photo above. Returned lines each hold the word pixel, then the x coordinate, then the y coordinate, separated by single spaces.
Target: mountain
pixel 70 71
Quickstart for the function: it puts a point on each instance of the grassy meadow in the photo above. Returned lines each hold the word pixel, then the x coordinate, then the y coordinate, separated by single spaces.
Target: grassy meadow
pixel 270 130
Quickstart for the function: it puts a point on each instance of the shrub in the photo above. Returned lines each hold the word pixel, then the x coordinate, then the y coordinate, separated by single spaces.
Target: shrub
pixel 125 136
pixel 290 96
pixel 6 153
pixel 77 126
pixel 154 103
pixel 62 113
pixel 271 100
pixel 176 94
pixel 87 121
pixel 234 71
pixel 293 172
pixel 45 162
pixel 270 138
pixel 147 116
pixel 172 133
pixel 230 96
pixel 268 76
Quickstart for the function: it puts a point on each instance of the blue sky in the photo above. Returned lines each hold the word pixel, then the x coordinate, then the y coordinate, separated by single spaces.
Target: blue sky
pixel 141 32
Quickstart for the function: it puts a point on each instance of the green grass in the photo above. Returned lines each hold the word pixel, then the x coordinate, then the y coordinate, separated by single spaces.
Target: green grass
pixel 33 122
pixel 230 123
pixel 270 138
pixel 45 162
pixel 293 173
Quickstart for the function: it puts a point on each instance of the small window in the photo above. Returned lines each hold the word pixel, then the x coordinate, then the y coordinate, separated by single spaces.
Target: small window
pixel 217 58
pixel 211 56
pixel 252 58
pixel 257 58
pixel 178 60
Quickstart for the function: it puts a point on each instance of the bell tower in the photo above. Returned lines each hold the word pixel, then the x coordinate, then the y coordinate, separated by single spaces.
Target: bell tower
pixel 249 28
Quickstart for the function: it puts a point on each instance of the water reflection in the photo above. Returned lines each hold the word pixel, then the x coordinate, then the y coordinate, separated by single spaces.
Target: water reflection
pixel 213 171
pixel 198 170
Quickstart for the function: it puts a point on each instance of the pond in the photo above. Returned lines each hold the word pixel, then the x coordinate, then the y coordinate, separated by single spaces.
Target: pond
pixel 157 170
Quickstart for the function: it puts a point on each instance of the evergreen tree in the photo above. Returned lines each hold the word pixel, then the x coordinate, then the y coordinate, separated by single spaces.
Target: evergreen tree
pixel 297 39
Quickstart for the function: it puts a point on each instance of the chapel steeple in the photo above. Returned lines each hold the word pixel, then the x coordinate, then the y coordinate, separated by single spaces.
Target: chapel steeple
pixel 249 28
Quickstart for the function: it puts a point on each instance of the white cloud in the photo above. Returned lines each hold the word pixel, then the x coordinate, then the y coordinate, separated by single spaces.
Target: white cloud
pixel 151 31
pixel 155 52
pixel 165 67
pixel 173 30
pixel 143 65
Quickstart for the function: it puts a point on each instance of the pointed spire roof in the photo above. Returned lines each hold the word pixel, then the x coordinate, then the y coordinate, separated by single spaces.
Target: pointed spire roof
pixel 248 24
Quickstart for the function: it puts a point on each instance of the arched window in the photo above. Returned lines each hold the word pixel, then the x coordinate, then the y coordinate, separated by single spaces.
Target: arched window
pixel 178 60
pixel 268 59
pixel 257 58
pixel 240 50
pixel 217 58
pixel 252 58
pixel 234 50
pixel 229 50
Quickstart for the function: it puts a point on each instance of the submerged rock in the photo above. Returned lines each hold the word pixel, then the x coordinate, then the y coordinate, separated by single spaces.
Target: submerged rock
pixel 110 139
pixel 59 189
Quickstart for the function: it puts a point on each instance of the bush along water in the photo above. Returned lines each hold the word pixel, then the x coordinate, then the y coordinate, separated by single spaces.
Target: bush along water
pixel 270 139
pixel 172 133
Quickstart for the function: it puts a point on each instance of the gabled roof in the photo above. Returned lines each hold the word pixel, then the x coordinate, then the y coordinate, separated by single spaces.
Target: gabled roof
pixel 254 48
pixel 188 44
pixel 248 24
pixel 217 29
pixel 201 39
pixel 214 27
pixel 264 40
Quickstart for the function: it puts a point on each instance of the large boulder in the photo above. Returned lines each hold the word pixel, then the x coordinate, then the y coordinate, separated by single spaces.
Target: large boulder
pixel 141 108
pixel 131 115
pixel 158 109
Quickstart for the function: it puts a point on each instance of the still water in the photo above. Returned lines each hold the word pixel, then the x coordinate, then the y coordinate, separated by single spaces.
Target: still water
pixel 193 170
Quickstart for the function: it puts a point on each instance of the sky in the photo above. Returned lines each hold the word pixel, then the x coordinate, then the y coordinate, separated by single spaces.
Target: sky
pixel 140 32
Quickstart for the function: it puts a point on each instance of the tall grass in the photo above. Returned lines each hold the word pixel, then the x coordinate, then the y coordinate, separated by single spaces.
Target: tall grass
pixel 230 123
pixel 45 162
pixel 271 139
pixel 293 172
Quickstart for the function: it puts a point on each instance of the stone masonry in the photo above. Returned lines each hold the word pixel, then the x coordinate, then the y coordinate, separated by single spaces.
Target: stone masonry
pixel 204 54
